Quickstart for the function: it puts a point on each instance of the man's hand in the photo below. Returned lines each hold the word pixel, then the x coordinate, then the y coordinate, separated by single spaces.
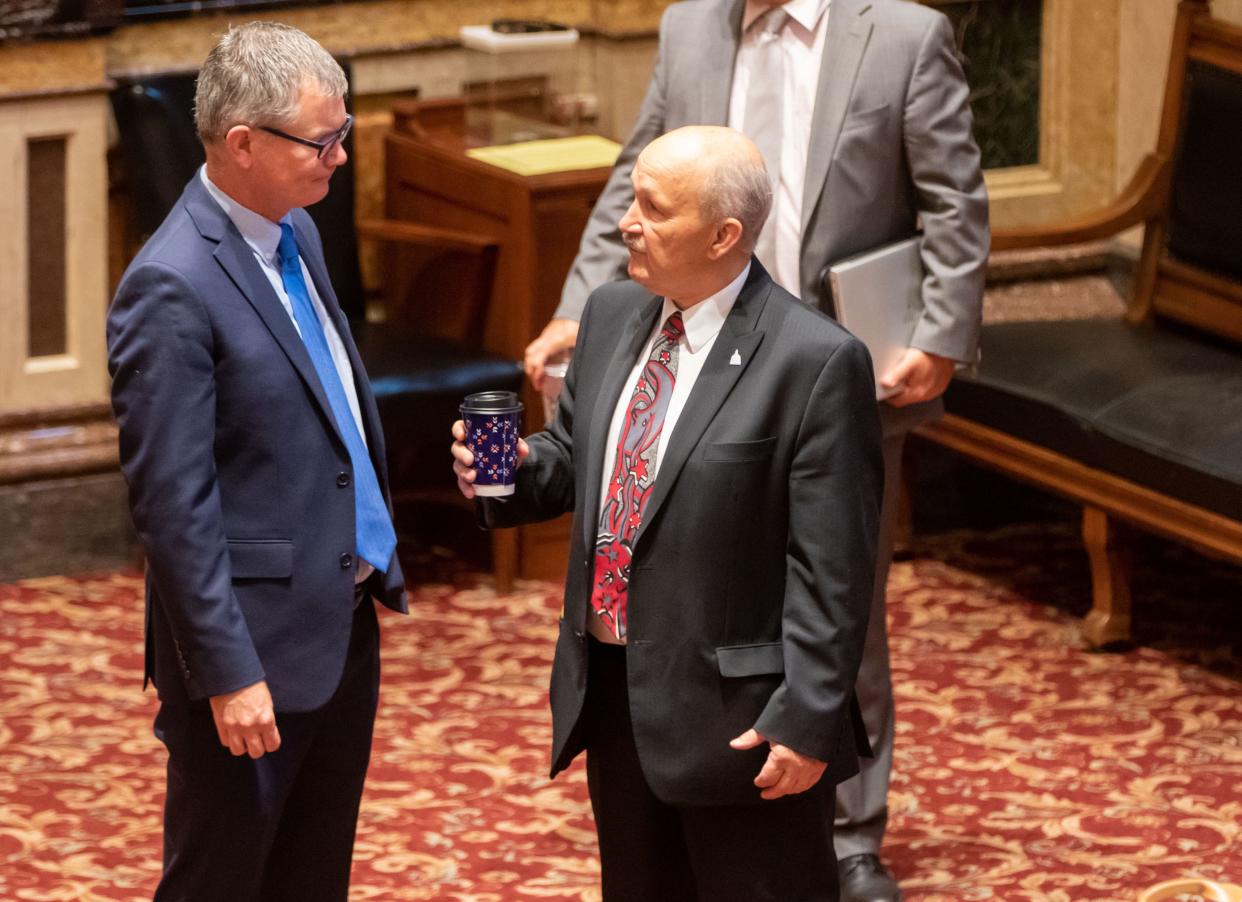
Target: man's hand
pixel 245 721
pixel 786 772
pixel 557 335
pixel 463 459
pixel 921 375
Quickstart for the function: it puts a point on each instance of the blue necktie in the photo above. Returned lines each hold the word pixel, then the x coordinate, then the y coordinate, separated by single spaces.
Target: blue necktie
pixel 376 538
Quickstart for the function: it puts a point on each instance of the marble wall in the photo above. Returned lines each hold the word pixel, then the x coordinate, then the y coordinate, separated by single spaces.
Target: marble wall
pixel 1000 49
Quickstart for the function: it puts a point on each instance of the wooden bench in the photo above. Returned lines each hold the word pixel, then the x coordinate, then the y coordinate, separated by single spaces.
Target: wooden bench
pixel 1138 419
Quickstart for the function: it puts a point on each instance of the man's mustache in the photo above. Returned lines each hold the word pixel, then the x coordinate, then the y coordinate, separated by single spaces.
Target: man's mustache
pixel 633 242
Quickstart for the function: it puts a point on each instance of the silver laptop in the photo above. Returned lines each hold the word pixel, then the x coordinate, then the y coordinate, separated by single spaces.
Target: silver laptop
pixel 879 297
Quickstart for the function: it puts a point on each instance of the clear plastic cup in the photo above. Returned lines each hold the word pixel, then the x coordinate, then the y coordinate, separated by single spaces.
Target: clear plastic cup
pixel 553 381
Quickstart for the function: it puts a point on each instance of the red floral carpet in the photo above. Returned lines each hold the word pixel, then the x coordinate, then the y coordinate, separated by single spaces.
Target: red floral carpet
pixel 1028 769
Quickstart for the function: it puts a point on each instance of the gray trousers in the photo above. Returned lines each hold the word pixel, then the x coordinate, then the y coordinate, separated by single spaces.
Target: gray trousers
pixel 862 801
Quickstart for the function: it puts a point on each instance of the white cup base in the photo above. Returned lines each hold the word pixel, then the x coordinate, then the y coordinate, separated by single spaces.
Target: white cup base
pixel 491 491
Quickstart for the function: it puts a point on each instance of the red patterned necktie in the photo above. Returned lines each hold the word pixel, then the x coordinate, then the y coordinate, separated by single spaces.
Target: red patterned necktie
pixel 633 476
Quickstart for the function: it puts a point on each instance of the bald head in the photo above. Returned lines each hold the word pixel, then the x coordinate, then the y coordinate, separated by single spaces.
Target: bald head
pixel 703 148
pixel 700 198
pixel 725 171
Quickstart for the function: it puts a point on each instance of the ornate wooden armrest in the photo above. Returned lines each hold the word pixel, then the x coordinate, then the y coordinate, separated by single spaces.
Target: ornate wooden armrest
pixel 1143 199
pixel 443 263
pixel 403 232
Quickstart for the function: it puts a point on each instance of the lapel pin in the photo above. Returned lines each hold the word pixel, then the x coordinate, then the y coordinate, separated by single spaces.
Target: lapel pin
pixel 736 359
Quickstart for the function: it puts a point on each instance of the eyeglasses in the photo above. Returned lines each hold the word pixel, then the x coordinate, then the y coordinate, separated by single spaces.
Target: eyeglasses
pixel 321 147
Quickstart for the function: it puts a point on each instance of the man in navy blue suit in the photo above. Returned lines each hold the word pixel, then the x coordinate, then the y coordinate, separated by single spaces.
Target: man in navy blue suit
pixel 254 456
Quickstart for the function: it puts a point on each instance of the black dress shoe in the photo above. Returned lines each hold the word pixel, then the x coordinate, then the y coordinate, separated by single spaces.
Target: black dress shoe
pixel 864 879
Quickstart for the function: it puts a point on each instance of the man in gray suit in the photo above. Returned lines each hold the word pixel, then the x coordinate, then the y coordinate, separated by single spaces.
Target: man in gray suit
pixel 860 108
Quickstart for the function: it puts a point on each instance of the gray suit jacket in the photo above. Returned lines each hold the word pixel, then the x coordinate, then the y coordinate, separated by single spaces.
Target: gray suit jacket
pixel 891 149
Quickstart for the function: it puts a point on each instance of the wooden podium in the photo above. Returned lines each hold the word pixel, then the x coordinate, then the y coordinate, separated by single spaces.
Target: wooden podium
pixel 537 221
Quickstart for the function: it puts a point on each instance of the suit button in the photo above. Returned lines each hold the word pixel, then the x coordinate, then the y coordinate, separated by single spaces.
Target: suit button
pixel 342 479
pixel 347 561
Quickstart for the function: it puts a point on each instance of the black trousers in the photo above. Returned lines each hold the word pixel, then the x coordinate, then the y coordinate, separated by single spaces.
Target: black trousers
pixel 778 850
pixel 280 827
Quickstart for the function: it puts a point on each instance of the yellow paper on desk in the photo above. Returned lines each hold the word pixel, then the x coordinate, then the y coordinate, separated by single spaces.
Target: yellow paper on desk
pixel 550 155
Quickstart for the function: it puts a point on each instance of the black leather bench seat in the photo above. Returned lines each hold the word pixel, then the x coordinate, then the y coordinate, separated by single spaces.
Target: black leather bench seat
pixel 397 364
pixel 423 380
pixel 1148 404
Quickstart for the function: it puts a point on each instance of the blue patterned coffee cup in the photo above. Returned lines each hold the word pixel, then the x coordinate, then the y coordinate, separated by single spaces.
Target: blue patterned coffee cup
pixel 493 422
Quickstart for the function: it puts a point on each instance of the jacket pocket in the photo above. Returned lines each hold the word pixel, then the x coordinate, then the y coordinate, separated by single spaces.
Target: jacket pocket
pixel 736 452
pixel 750 660
pixel 261 558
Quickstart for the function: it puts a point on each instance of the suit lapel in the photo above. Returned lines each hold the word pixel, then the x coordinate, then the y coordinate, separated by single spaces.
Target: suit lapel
pixel 237 260
pixel 719 54
pixel 715 382
pixel 849 30
pixel 635 335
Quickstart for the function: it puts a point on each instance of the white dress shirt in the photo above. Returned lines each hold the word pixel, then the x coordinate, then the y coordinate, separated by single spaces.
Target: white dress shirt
pixel 802 43
pixel 263 237
pixel 702 324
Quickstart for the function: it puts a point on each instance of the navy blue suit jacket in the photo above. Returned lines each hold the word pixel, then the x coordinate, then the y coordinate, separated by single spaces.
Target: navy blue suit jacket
pixel 240 485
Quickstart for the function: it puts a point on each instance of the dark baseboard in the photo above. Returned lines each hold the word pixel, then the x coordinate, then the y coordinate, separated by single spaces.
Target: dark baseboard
pixel 66 525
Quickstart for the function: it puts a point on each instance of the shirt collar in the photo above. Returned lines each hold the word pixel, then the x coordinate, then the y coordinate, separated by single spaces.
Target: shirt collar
pixel 260 233
pixel 704 319
pixel 806 13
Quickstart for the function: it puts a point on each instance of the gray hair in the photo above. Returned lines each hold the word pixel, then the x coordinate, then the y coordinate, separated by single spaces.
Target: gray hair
pixel 741 191
pixel 254 75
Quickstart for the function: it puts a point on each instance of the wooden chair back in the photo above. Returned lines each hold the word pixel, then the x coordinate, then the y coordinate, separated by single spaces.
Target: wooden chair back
pixel 1191 266
pixel 1188 193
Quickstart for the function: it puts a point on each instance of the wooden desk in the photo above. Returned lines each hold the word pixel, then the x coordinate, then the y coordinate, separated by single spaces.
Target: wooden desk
pixel 538 221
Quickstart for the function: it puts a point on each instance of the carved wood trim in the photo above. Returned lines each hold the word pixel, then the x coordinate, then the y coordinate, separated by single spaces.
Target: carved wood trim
pixel 1108 550
pixel 1143 198
pixel 75 447
pixel 1204 530
pixel 1204 299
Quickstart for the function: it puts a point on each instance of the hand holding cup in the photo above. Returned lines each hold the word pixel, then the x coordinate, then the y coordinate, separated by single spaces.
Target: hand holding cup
pixel 487 449
pixel 463 459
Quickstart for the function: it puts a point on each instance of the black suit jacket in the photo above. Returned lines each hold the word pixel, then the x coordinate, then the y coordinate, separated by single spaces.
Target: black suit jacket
pixel 752 572
pixel 239 481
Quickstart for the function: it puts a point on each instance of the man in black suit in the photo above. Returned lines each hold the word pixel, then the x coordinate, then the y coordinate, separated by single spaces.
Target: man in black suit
pixel 254 456
pixel 719 443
